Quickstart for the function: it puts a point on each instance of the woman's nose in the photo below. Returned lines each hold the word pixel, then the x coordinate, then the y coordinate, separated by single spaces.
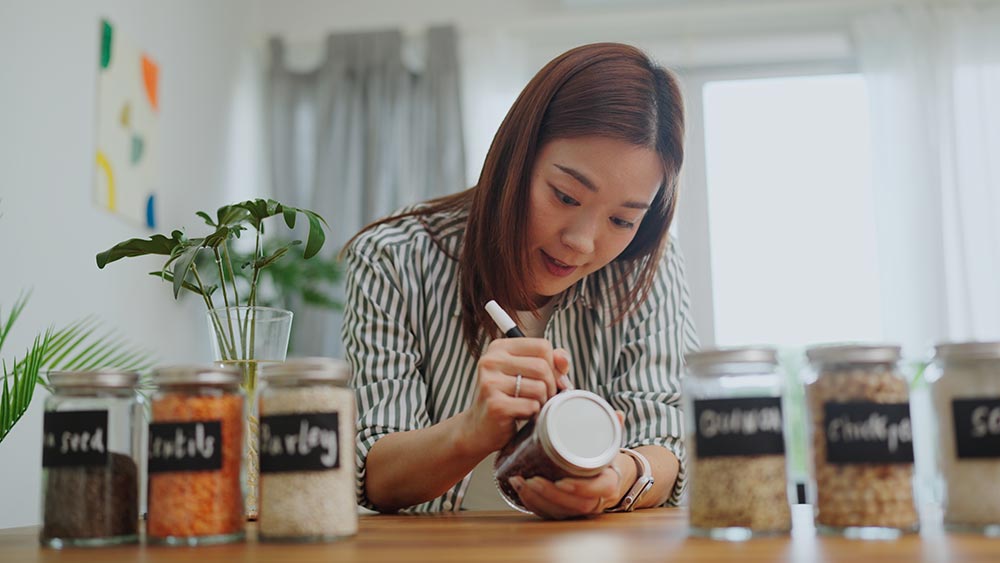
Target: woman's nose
pixel 579 236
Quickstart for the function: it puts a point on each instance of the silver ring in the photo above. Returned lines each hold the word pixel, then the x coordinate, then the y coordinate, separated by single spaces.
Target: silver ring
pixel 517 386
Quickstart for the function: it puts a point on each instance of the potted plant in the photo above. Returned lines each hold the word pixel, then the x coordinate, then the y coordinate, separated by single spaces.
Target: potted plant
pixel 243 333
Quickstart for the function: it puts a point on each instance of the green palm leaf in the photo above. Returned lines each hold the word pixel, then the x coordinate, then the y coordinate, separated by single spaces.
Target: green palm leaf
pixel 82 345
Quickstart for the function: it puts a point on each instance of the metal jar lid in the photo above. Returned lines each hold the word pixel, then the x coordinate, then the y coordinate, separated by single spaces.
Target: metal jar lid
pixel 967 351
pixel 704 360
pixel 102 378
pixel 579 431
pixel 329 371
pixel 197 376
pixel 854 354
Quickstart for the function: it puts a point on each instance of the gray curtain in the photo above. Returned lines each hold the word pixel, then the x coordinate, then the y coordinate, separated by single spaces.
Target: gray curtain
pixel 375 127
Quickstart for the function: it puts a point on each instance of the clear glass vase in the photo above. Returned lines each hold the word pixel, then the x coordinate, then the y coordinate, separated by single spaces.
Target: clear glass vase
pixel 248 337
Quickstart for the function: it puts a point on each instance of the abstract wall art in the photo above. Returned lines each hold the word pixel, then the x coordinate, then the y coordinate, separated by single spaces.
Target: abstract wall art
pixel 126 168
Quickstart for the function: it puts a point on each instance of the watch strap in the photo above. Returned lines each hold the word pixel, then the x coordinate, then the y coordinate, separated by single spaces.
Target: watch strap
pixel 643 482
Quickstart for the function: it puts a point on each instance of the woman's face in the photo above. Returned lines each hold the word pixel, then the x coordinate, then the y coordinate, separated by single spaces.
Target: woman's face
pixel 588 196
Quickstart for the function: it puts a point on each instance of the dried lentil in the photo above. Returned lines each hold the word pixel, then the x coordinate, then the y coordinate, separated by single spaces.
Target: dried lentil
pixel 199 503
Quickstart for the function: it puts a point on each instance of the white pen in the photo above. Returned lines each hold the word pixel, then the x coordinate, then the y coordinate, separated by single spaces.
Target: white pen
pixel 511 330
pixel 503 320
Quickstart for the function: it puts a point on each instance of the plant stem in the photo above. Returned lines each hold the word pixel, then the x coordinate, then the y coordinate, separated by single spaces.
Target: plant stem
pixel 225 294
pixel 219 332
pixel 232 273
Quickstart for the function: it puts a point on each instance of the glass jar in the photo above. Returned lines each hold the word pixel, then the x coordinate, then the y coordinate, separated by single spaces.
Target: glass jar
pixel 90 443
pixel 576 434
pixel 195 456
pixel 307 472
pixel 862 441
pixel 965 388
pixel 736 435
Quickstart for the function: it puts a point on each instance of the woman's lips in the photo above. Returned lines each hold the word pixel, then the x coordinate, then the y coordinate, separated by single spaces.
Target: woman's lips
pixel 555 267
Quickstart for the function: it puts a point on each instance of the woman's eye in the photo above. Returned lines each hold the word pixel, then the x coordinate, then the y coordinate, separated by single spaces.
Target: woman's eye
pixel 622 223
pixel 565 199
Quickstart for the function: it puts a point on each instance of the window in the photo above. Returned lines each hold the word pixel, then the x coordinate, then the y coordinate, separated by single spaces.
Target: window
pixel 790 211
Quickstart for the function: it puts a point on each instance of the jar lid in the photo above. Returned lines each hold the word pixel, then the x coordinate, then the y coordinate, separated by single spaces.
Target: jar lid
pixel 968 351
pixel 854 354
pixel 105 378
pixel 580 431
pixel 308 370
pixel 197 375
pixel 742 355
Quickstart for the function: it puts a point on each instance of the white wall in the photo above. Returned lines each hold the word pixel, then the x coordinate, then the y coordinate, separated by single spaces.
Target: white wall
pixel 49 228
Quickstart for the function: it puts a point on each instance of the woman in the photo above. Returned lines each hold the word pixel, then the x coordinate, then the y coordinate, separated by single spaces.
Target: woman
pixel 567 227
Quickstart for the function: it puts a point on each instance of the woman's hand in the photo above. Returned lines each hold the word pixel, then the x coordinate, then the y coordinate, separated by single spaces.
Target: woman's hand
pixel 501 400
pixel 568 498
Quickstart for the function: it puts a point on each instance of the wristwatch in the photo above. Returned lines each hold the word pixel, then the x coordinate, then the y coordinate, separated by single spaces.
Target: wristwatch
pixel 643 482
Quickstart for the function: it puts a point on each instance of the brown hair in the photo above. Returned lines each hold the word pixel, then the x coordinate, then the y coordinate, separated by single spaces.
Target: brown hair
pixel 603 89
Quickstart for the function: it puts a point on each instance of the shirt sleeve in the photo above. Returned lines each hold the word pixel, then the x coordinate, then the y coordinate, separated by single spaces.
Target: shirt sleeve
pixel 647 379
pixel 383 351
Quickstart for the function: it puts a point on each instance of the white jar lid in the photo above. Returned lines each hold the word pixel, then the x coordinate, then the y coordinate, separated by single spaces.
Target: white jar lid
pixel 297 371
pixel 968 351
pixel 103 378
pixel 196 375
pixel 708 361
pixel 579 431
pixel 854 354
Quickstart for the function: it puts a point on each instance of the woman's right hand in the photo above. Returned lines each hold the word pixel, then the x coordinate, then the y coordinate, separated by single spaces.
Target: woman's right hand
pixel 499 402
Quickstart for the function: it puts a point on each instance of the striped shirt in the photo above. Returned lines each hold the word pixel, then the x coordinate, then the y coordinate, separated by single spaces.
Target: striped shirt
pixel 402 335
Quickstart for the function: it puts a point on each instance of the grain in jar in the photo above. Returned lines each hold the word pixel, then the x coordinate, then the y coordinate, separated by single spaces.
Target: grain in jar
pixel 90 442
pixel 195 456
pixel 576 434
pixel 965 388
pixel 862 441
pixel 736 435
pixel 307 480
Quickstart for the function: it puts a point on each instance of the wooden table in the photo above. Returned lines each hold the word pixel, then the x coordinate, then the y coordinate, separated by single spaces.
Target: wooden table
pixel 647 535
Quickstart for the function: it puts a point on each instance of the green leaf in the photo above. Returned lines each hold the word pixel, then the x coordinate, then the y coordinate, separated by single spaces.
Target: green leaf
pixel 219 237
pixel 169 276
pixel 157 245
pixel 14 314
pixel 316 235
pixel 266 261
pixel 231 215
pixel 320 299
pixel 289 213
pixel 73 347
pixel 17 395
pixel 183 266
pixel 205 216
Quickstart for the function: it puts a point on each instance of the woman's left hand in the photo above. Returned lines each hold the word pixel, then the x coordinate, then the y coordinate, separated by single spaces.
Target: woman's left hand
pixel 568 498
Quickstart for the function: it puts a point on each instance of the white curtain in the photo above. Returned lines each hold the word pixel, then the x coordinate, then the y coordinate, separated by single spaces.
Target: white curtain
pixel 375 127
pixel 933 73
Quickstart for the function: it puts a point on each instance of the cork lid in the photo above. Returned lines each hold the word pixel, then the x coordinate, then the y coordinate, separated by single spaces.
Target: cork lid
pixel 579 431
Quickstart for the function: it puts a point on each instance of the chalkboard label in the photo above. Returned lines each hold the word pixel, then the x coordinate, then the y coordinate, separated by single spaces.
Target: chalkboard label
pixel 977 427
pixel 75 438
pixel 299 442
pixel 739 427
pixel 865 432
pixel 185 446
